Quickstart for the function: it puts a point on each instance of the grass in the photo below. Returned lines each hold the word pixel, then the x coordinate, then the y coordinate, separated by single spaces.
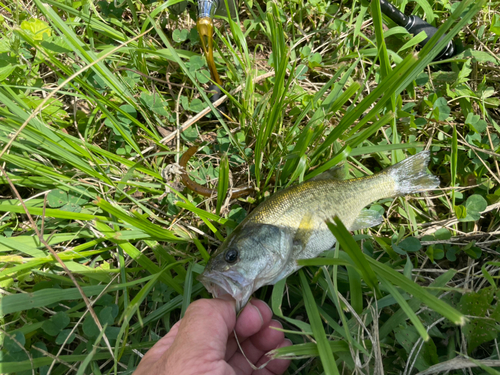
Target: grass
pixel 98 98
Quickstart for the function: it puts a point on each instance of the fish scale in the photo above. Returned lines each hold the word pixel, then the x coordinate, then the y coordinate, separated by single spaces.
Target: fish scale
pixel 331 197
pixel 291 225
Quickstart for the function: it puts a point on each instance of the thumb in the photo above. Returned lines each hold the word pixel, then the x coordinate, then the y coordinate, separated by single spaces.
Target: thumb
pixel 203 332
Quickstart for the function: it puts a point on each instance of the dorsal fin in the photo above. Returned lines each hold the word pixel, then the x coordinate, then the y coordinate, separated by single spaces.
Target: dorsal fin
pixel 335 173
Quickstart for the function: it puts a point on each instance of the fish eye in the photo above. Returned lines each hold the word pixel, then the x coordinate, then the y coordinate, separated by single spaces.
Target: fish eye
pixel 231 255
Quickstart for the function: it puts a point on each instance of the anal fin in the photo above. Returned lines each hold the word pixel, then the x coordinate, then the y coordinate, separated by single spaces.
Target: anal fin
pixel 367 219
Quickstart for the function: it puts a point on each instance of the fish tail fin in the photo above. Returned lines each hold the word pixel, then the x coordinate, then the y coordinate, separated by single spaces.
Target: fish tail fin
pixel 410 175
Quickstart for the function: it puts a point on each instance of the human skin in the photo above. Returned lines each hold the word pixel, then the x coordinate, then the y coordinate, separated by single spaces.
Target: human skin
pixel 203 341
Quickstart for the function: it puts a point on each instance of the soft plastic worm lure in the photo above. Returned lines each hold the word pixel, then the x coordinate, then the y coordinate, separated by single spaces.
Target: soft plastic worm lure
pixel 237 192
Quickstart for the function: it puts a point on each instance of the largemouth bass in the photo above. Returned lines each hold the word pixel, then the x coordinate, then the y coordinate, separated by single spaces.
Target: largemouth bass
pixel 290 225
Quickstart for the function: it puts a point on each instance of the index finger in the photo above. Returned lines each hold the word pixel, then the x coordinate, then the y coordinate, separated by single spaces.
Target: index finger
pixel 256 315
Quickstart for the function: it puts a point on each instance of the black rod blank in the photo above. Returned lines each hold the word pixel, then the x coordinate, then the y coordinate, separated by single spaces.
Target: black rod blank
pixel 393 13
pixel 415 25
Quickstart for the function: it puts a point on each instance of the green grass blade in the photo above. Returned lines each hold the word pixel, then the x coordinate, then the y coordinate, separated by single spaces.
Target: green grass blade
pixel 333 293
pixel 454 165
pixel 88 56
pixel 141 223
pixel 91 355
pixel 356 292
pixel 418 292
pixel 138 256
pixel 188 288
pixel 174 303
pixel 385 66
pixel 406 308
pixel 341 155
pixel 223 184
pixel 399 317
pixel 385 90
pixel 135 304
pixel 408 286
pixel 324 350
pixel 50 212
pixel 307 350
pixel 352 249
pixel 277 300
pixel 29 365
pixel 435 45
pixel 44 297
pixel 368 132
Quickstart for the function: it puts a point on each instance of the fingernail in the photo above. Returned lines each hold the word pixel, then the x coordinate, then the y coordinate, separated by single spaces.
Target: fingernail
pixel 258 311
pixel 278 324
pixel 267 306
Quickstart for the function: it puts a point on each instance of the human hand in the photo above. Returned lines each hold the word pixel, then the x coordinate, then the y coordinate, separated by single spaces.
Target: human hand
pixel 203 341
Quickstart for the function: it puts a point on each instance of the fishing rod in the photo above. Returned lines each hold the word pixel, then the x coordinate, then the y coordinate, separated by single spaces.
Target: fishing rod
pixel 207 9
pixel 205 25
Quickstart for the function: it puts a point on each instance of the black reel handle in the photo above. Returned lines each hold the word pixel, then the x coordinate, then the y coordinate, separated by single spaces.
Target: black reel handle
pixel 415 25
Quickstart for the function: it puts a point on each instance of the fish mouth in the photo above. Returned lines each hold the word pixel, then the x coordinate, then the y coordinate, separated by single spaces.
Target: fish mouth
pixel 218 285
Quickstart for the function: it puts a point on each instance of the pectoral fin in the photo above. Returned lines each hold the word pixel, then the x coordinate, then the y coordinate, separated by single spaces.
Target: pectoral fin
pixel 300 240
pixel 367 219
pixel 303 233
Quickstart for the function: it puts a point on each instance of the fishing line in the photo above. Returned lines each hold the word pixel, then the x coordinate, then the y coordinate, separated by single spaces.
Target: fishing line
pixel 255 368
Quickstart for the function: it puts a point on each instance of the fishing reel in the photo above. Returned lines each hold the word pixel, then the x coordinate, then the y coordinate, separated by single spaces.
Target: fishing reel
pixel 415 25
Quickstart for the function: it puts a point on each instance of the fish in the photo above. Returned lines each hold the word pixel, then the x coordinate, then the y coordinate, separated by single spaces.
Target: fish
pixel 291 225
